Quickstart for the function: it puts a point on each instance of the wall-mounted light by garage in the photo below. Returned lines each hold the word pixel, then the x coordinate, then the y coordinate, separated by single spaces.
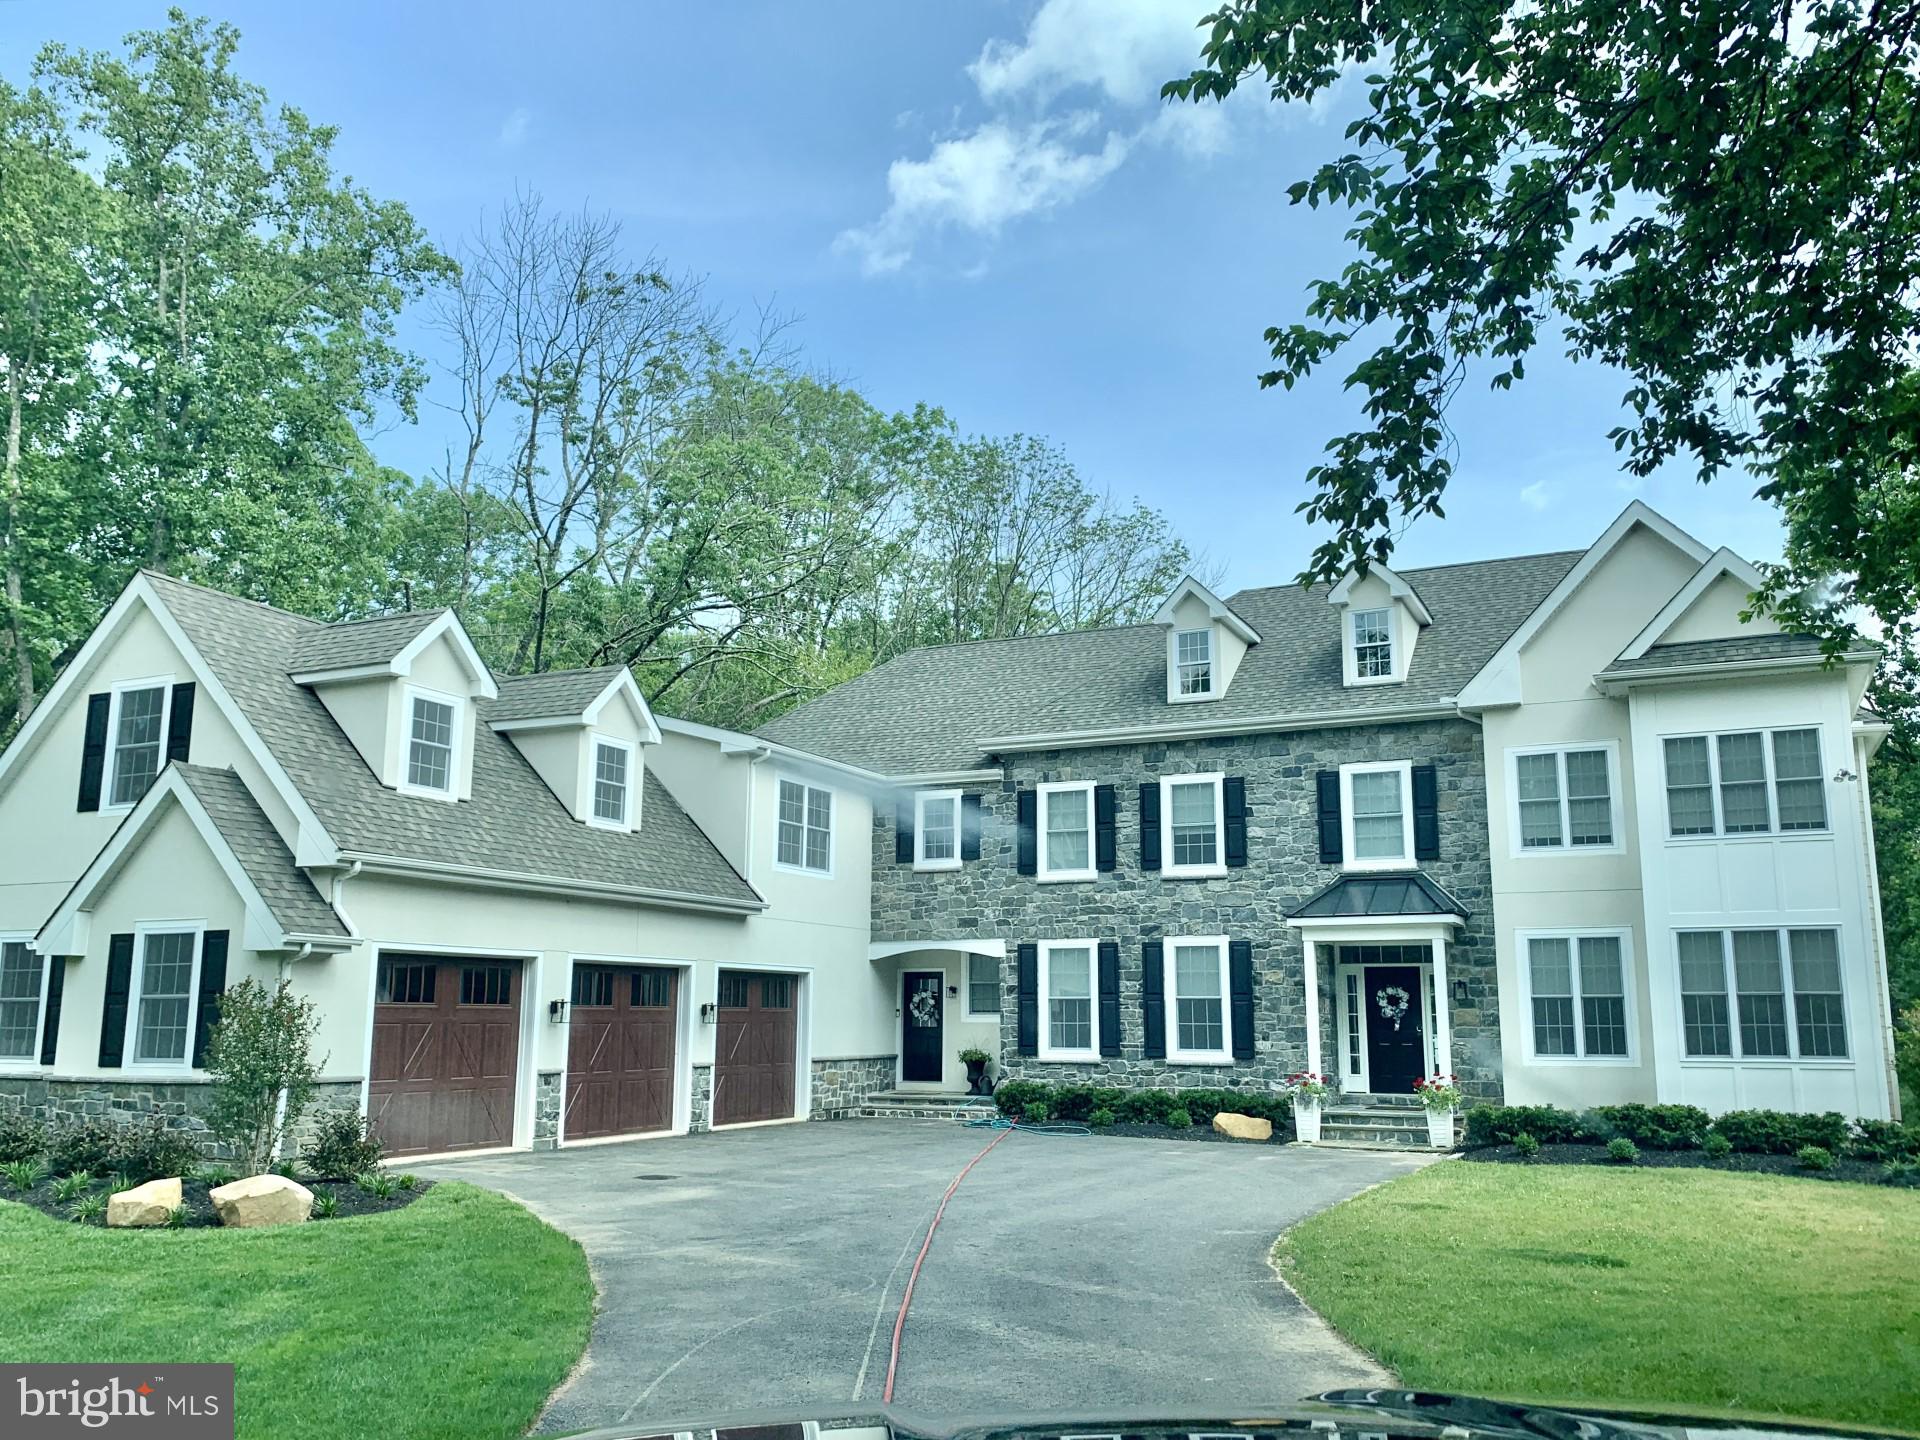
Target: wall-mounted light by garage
pixel 556 1012
pixel 708 1013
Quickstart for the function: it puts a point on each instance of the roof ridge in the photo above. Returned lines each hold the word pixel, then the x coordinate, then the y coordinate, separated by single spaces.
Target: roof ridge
pixel 229 595
pixel 1411 571
pixel 390 615
pixel 573 670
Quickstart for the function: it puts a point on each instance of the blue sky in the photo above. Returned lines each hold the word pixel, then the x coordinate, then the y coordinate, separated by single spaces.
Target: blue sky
pixel 979 205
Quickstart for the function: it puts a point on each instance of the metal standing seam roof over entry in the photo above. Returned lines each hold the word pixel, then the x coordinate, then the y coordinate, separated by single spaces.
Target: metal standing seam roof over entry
pixel 1413 894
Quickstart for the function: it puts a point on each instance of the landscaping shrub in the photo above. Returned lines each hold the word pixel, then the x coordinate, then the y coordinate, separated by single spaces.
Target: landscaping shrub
pixel 260 1058
pixel 1138 1107
pixel 152 1151
pixel 1014 1096
pixel 1526 1145
pixel 1717 1146
pixel 1146 1107
pixel 1100 1118
pixel 1657 1127
pixel 1815 1157
pixel 1178 1118
pixel 343 1146
pixel 1498 1124
pixel 1884 1140
pixel 21 1137
pixel 1037 1112
pixel 1775 1132
pixel 1623 1151
pixel 80 1146
pixel 1905 1173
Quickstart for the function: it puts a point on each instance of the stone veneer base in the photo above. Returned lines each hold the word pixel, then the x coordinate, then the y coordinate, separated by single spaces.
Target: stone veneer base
pixel 182 1103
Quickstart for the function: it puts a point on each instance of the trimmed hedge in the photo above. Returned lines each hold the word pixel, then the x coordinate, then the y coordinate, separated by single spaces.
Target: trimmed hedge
pixel 1775 1132
pixel 1686 1127
pixel 1498 1124
pixel 1080 1103
pixel 1657 1127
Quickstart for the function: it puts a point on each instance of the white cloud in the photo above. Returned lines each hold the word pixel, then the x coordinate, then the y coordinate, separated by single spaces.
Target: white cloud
pixel 981 180
pixel 1127 49
pixel 1537 496
pixel 513 129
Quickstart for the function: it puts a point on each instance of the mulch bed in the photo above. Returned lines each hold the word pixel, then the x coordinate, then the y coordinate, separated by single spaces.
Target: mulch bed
pixel 1866 1172
pixel 1195 1131
pixel 349 1199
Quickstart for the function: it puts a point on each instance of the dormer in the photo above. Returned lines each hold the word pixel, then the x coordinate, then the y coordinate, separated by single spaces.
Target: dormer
pixel 1205 643
pixel 582 731
pixel 1381 617
pixel 403 688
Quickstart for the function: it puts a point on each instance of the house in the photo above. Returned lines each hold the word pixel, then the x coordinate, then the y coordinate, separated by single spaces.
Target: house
pixel 1564 825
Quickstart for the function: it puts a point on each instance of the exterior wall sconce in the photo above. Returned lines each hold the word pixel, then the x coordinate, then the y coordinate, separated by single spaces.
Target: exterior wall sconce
pixel 1459 992
pixel 953 989
pixel 709 1012
pixel 556 1012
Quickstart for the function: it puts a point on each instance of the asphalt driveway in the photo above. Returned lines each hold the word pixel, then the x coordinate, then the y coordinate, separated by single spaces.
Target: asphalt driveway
pixel 762 1269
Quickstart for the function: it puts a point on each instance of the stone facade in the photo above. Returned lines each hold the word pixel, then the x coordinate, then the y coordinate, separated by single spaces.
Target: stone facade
pixel 184 1105
pixel 549 1096
pixel 989 899
pixel 700 1109
pixel 841 1087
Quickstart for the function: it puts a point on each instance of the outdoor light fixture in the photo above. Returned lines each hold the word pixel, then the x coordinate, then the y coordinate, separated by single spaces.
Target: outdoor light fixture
pixel 707 1012
pixel 1459 992
pixel 557 1012
pixel 953 989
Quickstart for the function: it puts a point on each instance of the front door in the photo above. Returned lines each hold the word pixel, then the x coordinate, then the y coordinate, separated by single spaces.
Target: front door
pixel 922 1042
pixel 1396 1029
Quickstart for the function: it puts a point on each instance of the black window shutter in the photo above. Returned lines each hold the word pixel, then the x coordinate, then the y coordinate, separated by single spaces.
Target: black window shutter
pixel 113 1012
pixel 213 980
pixel 1026 813
pixel 903 830
pixel 1153 998
pixel 1426 813
pixel 1109 997
pixel 1240 990
pixel 970 827
pixel 180 722
pixel 50 1023
pixel 1327 785
pixel 1233 794
pixel 1150 825
pixel 1105 849
pixel 93 751
pixel 1027 1010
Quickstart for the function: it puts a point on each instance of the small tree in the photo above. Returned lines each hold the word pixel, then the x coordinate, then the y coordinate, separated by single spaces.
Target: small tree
pixel 260 1056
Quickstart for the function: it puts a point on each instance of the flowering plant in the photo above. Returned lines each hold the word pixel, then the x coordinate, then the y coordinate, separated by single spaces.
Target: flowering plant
pixel 1306 1085
pixel 1438 1092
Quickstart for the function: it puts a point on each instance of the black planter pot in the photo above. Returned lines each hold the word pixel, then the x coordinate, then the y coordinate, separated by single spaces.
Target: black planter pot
pixel 976 1077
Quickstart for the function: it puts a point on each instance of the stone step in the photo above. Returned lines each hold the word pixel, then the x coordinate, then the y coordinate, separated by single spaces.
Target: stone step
pixel 1370 1115
pixel 1374 1129
pixel 1328 1142
pixel 1374 1101
pixel 924 1105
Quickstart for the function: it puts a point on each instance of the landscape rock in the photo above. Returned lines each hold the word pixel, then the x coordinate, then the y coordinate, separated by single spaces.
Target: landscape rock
pixel 147 1204
pixel 1242 1127
pixel 262 1200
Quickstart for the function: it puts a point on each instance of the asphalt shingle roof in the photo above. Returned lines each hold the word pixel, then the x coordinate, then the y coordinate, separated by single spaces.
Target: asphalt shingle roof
pixel 285 887
pixel 1730 651
pixel 1415 893
pixel 357 642
pixel 513 824
pixel 558 692
pixel 927 710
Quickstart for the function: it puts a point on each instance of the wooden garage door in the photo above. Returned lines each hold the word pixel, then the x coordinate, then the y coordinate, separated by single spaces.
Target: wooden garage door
pixel 753 1049
pixel 446 1047
pixel 620 1050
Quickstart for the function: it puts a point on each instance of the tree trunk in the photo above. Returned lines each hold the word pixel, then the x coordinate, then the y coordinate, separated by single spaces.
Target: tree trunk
pixel 22 655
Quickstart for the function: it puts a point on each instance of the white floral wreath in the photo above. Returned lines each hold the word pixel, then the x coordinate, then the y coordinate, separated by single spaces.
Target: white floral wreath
pixel 1393 1002
pixel 922 1007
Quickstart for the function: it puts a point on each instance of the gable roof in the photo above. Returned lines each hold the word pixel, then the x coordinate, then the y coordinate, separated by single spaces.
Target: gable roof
pixel 288 891
pixel 569 697
pixel 512 829
pixel 1217 609
pixel 930 710
pixel 355 643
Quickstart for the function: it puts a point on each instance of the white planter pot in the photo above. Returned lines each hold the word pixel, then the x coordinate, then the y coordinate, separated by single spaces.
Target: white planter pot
pixel 1306 1119
pixel 1440 1129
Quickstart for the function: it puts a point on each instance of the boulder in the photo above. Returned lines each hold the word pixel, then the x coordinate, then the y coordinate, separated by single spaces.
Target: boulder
pixel 262 1200
pixel 1242 1127
pixel 147 1204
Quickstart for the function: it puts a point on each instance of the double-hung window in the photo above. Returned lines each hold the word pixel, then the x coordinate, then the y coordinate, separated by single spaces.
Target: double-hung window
pixel 1193 661
pixel 983 987
pixel 1563 800
pixel 1376 814
pixel 1577 984
pixel 936 830
pixel 1745 782
pixel 1196 987
pixel 1066 831
pixel 612 783
pixel 163 994
pixel 1192 825
pixel 1372 644
pixel 1771 994
pixel 1069 1019
pixel 23 976
pixel 804 839
pixel 136 730
pixel 433 732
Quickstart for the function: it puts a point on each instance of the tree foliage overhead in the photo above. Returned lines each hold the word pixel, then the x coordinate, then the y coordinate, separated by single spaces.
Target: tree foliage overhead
pixel 1717 197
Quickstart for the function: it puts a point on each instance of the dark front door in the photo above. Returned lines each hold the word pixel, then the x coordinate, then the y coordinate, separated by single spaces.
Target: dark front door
pixel 1396 1029
pixel 921 1025
pixel 446 1044
pixel 620 1051
pixel 753 1054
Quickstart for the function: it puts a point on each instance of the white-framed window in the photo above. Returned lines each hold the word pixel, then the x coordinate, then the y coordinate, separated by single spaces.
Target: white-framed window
pixel 1064 815
pixel 23 990
pixel 1376 814
pixel 936 830
pixel 1745 782
pixel 1199 1013
pixel 803 829
pixel 1193 664
pixel 1370 636
pixel 612 783
pixel 136 738
pixel 983 987
pixel 431 764
pixel 1565 798
pixel 1193 825
pixel 160 1014
pixel 1762 994
pixel 1069 1000
pixel 1578 988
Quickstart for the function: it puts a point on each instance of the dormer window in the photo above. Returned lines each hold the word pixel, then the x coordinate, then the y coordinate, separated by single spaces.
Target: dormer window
pixel 432 728
pixel 1372 644
pixel 612 785
pixel 1194 658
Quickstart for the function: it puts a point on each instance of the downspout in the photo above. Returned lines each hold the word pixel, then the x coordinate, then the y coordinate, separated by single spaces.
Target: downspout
pixel 1876 934
pixel 280 1105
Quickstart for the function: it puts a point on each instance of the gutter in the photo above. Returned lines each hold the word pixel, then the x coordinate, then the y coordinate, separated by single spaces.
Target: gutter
pixel 1442 709
pixel 579 889
pixel 734 742
pixel 1717 669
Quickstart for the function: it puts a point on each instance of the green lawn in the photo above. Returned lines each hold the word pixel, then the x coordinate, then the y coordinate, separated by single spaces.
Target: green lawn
pixel 1758 1294
pixel 452 1317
